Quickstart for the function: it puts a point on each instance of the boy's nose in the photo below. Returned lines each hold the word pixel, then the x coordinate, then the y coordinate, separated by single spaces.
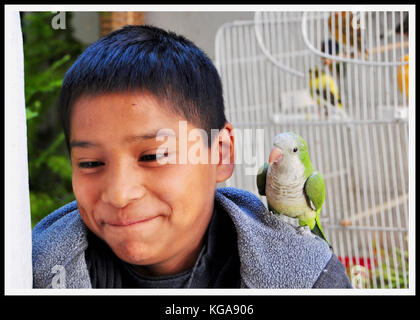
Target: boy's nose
pixel 122 188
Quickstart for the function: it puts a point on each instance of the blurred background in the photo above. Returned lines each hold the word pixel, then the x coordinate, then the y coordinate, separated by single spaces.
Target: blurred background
pixel 339 79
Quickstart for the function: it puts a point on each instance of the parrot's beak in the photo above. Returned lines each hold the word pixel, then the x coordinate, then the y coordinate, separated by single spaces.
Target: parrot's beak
pixel 276 155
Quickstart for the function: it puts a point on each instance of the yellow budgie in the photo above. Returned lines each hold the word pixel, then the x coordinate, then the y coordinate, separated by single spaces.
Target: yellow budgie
pixel 324 90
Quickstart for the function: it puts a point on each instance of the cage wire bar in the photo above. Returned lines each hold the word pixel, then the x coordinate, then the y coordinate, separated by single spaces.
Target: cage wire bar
pixel 269 67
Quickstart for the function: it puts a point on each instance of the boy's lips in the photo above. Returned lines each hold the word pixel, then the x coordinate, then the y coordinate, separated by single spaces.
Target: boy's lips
pixel 127 223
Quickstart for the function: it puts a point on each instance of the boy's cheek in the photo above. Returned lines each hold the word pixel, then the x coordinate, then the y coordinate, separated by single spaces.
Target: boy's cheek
pixel 87 215
pixel 87 194
pixel 80 188
pixel 191 178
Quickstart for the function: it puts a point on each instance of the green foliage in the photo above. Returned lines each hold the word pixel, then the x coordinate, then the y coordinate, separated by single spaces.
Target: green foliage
pixel 48 53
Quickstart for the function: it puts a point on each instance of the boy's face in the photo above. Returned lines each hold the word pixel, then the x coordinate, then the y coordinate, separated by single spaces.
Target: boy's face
pixel 150 214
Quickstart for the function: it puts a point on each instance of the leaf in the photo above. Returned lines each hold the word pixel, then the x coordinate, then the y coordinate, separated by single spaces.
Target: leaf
pixel 47 81
pixel 31 114
pixel 33 110
pixel 41 205
pixel 60 62
pixel 61 166
pixel 43 156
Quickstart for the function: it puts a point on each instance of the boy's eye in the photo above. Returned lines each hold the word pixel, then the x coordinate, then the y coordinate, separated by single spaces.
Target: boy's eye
pixel 153 157
pixel 90 164
pixel 148 157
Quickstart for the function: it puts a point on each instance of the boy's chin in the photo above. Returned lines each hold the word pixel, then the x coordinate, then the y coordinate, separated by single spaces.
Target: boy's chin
pixel 135 253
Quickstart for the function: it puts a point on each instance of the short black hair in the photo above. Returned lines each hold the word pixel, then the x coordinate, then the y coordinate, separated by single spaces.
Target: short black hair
pixel 148 59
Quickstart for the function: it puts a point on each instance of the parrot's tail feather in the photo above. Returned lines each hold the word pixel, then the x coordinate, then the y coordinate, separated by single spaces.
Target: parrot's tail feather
pixel 317 230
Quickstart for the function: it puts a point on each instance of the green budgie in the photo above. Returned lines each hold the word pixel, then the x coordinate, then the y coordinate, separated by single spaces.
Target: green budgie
pixel 291 184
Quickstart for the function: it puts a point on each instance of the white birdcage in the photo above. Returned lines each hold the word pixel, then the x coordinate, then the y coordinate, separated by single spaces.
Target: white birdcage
pixel 361 148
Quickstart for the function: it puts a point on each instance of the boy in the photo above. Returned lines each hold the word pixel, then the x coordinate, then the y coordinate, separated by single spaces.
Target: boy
pixel 148 216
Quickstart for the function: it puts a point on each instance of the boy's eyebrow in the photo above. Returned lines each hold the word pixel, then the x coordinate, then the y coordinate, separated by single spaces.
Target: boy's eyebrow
pixel 82 144
pixel 129 139
pixel 150 135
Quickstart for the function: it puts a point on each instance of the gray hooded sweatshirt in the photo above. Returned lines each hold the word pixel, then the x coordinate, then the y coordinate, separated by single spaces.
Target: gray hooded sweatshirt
pixel 272 253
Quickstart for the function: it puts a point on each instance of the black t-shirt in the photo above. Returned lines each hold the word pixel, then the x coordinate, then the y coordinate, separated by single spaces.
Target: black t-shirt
pixel 217 265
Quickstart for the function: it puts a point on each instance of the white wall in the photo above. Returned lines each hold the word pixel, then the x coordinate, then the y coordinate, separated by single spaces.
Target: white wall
pixel 199 27
pixel 86 26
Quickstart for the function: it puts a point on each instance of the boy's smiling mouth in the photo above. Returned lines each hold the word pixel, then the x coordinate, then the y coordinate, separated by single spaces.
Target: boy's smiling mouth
pixel 127 223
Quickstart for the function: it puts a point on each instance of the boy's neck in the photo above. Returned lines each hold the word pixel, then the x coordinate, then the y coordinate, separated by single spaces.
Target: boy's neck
pixel 172 266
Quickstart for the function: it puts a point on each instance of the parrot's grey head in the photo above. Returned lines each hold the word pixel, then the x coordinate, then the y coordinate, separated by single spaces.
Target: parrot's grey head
pixel 290 150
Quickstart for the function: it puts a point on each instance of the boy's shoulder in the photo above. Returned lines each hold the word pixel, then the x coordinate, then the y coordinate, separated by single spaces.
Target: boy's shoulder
pixel 273 253
pixel 68 209
pixel 58 245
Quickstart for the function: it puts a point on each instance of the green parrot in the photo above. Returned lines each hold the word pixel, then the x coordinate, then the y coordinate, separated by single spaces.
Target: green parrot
pixel 291 184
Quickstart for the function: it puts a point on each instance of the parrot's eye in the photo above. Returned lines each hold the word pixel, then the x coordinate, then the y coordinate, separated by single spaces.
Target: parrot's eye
pixel 295 149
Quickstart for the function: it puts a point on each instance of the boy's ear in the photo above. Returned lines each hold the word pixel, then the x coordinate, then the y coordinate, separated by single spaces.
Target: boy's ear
pixel 224 147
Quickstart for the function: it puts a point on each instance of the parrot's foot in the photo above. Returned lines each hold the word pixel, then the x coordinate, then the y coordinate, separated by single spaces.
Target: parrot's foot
pixel 305 230
pixel 300 230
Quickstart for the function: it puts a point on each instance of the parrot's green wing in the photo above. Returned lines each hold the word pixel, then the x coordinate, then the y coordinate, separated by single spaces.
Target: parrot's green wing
pixel 261 178
pixel 315 191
